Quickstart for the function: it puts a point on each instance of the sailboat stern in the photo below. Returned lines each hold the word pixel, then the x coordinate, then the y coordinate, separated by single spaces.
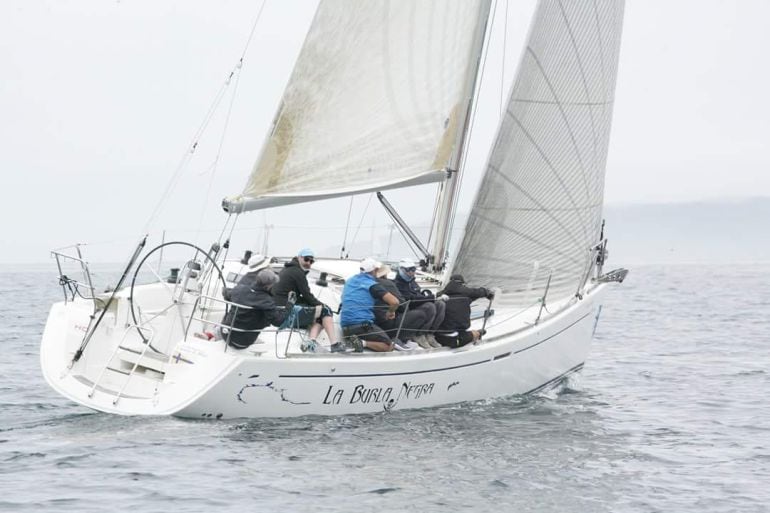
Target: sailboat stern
pixel 118 373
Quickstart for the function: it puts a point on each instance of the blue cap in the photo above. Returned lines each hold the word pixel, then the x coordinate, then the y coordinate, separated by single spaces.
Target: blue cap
pixel 306 252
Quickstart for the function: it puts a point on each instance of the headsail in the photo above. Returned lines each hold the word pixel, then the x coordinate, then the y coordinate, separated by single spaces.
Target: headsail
pixel 538 210
pixel 375 101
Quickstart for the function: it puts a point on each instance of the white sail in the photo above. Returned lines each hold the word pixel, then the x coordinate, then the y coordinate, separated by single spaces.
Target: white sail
pixel 538 210
pixel 375 101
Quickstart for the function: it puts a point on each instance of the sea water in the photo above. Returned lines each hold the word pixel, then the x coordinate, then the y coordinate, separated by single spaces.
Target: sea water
pixel 670 414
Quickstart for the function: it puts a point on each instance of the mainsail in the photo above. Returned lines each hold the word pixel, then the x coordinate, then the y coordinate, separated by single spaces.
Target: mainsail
pixel 538 210
pixel 376 100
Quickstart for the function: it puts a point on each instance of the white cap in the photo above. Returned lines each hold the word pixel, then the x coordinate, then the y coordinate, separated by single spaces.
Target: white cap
pixel 382 271
pixel 369 264
pixel 406 263
pixel 257 262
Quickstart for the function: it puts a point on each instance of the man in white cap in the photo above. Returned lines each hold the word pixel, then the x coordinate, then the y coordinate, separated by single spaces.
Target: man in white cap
pixel 422 300
pixel 357 316
pixel 293 278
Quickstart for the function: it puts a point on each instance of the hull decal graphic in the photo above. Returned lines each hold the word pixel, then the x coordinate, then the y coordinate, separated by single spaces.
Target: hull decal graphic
pixel 270 386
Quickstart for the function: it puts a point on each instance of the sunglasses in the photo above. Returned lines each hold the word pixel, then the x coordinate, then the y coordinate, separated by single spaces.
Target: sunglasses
pixel 410 269
pixel 309 260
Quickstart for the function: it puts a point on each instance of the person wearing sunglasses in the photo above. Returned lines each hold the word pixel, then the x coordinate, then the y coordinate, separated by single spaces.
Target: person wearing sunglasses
pixel 293 278
pixel 421 300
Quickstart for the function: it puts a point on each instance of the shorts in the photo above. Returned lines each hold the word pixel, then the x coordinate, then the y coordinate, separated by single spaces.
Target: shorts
pixel 309 315
pixel 302 317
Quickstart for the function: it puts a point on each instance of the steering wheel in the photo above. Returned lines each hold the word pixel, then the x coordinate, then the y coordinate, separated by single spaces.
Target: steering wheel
pixel 131 299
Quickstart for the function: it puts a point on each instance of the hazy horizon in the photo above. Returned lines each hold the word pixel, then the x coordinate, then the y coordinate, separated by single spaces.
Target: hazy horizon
pixel 716 231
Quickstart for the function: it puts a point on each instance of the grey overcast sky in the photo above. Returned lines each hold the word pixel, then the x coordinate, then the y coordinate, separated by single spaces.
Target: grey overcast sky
pixel 100 100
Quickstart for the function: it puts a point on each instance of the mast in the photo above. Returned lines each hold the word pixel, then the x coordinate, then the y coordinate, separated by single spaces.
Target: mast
pixel 448 189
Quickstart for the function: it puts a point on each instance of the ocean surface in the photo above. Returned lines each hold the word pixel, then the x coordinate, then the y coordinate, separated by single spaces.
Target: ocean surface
pixel 670 414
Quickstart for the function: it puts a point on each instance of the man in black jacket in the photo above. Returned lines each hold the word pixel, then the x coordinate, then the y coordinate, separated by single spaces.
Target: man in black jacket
pixel 252 292
pixel 453 331
pixel 293 278
pixel 421 300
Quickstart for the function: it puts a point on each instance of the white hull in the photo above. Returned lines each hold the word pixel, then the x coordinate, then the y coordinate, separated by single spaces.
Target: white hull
pixel 200 379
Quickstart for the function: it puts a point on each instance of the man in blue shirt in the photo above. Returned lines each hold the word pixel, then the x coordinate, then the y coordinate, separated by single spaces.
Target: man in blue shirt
pixel 357 316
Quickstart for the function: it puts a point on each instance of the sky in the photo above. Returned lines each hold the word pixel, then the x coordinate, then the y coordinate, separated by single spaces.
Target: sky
pixel 100 101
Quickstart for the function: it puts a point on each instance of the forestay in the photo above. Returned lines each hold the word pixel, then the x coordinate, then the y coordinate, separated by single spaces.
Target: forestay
pixel 539 206
pixel 376 100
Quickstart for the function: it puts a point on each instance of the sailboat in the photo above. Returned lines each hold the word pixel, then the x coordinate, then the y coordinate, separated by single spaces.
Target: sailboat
pixel 382 97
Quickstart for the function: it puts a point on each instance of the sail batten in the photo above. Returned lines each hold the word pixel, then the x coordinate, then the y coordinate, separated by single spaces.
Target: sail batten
pixel 537 213
pixel 378 96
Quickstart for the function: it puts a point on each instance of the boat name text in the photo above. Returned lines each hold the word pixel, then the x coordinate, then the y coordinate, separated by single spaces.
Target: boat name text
pixel 362 394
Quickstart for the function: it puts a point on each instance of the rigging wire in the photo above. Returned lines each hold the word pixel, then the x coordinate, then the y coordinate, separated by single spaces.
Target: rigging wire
pixel 187 156
pixel 474 112
pixel 214 168
pixel 223 257
pixel 355 235
pixel 505 45
pixel 347 225
pixel 434 216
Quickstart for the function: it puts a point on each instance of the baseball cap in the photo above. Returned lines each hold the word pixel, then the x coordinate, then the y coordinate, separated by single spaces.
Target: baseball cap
pixel 369 264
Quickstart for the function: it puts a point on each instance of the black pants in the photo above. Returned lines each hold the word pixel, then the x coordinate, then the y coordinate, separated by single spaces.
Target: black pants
pixel 366 332
pixel 413 321
pixel 455 339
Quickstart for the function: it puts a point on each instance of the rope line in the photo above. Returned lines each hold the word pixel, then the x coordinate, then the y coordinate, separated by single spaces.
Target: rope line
pixel 215 164
pixel 469 135
pixel 505 45
pixel 347 226
pixel 187 156
pixel 355 235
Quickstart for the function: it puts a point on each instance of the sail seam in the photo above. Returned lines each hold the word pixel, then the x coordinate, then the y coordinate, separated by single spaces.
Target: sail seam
pixel 552 209
pixel 571 104
pixel 524 236
pixel 600 46
pixel 566 123
pixel 513 274
pixel 583 78
pixel 547 161
pixel 544 209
